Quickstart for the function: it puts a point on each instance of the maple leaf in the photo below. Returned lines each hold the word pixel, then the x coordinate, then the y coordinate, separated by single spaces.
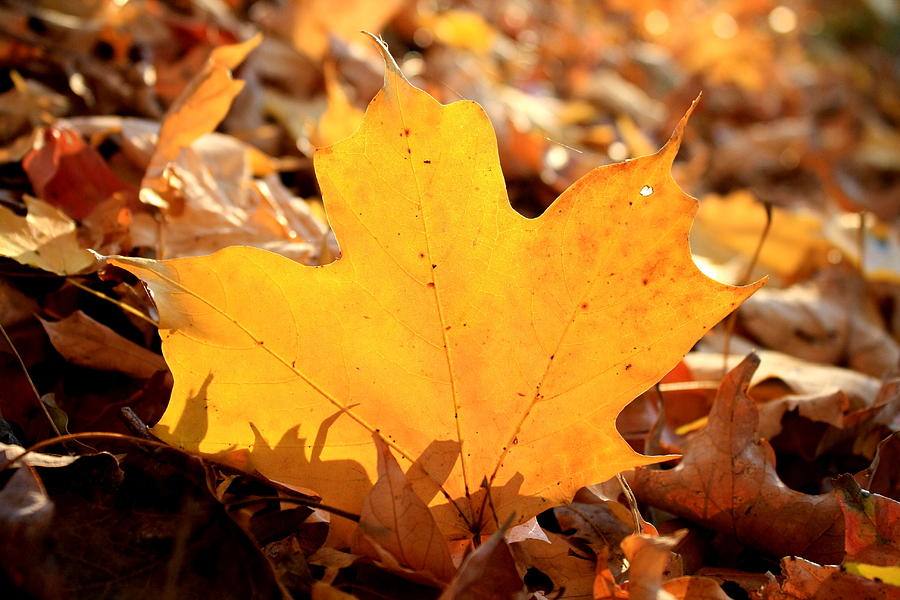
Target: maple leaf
pixel 727 481
pixel 489 350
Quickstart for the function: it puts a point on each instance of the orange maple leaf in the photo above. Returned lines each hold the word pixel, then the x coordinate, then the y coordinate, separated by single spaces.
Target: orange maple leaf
pixel 489 350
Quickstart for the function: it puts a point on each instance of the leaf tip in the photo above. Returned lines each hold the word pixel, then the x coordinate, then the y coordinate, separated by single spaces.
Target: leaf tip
pixel 674 143
pixel 392 69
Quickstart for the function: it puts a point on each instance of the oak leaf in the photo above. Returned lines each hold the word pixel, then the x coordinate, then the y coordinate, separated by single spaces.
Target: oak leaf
pixel 727 482
pixel 491 350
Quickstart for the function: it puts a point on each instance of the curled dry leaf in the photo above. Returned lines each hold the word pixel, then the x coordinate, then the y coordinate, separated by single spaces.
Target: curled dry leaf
pixel 449 318
pixel 727 482
pixel 649 556
pixel 882 476
pixel 648 576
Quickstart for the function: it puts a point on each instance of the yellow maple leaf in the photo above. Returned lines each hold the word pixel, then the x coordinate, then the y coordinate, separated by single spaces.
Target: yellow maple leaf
pixel 486 348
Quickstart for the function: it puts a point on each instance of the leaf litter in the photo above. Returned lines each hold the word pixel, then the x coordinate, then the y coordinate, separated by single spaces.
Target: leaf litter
pixel 815 152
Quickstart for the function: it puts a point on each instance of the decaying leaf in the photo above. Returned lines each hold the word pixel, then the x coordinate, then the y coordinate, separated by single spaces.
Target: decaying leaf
pixel 727 482
pixel 449 318
pixel 44 238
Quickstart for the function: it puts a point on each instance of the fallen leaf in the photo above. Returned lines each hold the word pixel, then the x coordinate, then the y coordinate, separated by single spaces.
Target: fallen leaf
pixel 44 238
pixel 889 575
pixel 554 568
pixel 198 110
pixel 831 319
pixel 26 515
pixel 805 580
pixel 727 482
pixel 882 476
pixel 449 317
pixel 872 525
pixel 488 573
pixel 142 525
pixel 648 578
pixel 69 174
pixel 649 556
pixel 734 224
pixel 460 29
pixel 313 22
pixel 86 343
pixel 694 588
pixel 782 383
pixel 399 523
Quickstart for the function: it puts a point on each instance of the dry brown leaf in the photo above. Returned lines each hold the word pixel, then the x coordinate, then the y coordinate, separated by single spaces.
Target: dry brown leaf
pixel 882 476
pixel 820 393
pixel 399 523
pixel 26 513
pixel 727 482
pixel 84 342
pixel 570 575
pixel 872 525
pixel 805 580
pixel 649 557
pixel 488 573
pixel 829 320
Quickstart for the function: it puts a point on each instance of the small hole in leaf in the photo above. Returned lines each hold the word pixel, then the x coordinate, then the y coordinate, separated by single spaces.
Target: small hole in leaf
pixel 646 190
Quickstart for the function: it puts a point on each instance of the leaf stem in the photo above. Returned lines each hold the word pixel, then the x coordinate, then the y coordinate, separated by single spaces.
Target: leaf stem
pixel 744 280
pixel 127 308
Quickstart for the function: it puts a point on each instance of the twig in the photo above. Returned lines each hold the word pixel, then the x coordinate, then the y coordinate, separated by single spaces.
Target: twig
pixel 748 273
pixel 290 500
pixel 632 503
pixel 119 303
